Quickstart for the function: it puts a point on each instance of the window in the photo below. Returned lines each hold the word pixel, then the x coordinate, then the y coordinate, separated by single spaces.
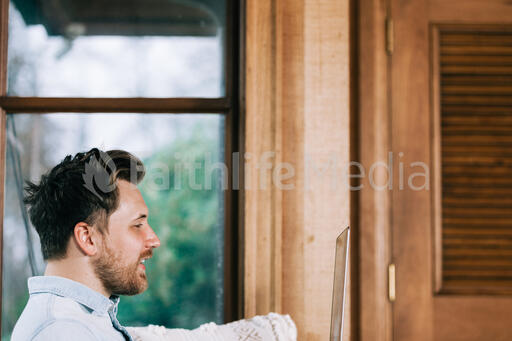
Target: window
pixel 157 78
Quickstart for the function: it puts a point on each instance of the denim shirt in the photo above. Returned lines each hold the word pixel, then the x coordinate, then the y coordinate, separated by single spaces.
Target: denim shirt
pixel 62 309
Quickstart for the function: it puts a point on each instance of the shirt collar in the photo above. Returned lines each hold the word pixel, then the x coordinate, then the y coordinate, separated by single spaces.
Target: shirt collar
pixel 79 292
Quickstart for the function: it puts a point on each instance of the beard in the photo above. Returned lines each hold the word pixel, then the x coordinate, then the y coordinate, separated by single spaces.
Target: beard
pixel 117 277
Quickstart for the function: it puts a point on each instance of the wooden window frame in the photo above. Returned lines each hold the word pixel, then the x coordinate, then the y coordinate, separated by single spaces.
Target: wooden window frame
pixel 230 105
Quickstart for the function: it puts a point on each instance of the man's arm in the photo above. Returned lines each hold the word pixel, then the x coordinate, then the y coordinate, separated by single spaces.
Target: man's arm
pixel 65 330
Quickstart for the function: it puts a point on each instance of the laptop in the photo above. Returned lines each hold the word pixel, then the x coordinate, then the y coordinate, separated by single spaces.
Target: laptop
pixel 340 281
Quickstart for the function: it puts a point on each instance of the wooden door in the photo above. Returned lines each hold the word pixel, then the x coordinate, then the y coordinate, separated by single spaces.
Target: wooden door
pixel 451 109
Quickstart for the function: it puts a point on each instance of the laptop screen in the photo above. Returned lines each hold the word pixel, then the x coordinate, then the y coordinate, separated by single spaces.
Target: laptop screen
pixel 340 280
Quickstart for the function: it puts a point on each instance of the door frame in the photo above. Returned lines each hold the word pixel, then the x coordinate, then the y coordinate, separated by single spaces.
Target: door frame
pixel 374 143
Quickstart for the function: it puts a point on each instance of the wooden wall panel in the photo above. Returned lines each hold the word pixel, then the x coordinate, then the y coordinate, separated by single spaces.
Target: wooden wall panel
pixel 297 105
pixel 290 18
pixel 326 144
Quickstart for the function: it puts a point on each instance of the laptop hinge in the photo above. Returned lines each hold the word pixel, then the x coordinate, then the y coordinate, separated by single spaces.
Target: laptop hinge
pixel 391 282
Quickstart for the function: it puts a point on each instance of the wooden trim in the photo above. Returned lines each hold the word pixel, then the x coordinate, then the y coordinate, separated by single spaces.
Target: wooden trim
pixel 436 161
pixel 262 204
pixel 355 327
pixel 234 197
pixel 411 209
pixel 374 144
pixel 230 260
pixel 297 258
pixel 229 43
pixel 488 26
pixel 472 12
pixel 108 105
pixel 240 34
pixel 233 274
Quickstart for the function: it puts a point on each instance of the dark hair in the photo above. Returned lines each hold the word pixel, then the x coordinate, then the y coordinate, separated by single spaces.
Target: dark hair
pixel 79 189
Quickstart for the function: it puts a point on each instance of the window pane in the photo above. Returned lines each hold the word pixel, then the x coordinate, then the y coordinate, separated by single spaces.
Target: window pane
pixel 113 48
pixel 183 189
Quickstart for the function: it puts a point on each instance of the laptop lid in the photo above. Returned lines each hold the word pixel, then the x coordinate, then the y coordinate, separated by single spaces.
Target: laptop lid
pixel 340 281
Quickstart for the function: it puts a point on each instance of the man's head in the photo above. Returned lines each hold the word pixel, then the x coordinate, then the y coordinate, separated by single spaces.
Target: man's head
pixel 92 201
pixel 129 243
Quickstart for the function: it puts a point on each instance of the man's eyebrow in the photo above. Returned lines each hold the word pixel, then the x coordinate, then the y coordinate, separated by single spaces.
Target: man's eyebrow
pixel 141 216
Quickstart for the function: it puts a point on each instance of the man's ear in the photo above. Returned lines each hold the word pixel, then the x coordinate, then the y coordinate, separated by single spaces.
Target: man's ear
pixel 83 235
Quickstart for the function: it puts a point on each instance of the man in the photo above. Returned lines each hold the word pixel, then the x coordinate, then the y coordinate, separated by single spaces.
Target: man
pixel 92 222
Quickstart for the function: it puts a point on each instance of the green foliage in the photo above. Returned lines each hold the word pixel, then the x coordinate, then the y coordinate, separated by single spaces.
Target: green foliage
pixel 185 273
pixel 11 310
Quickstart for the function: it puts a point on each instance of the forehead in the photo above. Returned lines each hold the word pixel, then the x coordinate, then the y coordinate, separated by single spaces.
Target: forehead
pixel 131 203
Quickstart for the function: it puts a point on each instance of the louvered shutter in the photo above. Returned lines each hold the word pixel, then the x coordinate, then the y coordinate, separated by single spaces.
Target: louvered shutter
pixel 475 85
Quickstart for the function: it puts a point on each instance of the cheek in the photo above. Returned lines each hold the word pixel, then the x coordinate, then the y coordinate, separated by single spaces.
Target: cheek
pixel 122 244
pixel 131 245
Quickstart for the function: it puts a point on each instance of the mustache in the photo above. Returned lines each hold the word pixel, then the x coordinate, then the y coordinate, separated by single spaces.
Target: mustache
pixel 147 254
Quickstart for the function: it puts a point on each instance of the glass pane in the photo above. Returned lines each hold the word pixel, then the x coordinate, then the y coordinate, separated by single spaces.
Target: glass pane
pixel 113 48
pixel 183 189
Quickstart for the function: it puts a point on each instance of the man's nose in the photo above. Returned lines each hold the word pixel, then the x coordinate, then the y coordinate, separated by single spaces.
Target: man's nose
pixel 153 240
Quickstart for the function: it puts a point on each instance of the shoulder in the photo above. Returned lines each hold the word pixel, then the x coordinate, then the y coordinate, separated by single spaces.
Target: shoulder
pixel 64 330
pixel 45 314
pixel 36 312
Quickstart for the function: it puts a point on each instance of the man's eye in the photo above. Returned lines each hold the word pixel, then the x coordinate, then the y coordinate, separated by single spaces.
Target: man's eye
pixel 138 225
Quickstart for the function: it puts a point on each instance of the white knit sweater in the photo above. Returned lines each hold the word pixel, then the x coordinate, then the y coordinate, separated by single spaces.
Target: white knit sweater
pixel 271 327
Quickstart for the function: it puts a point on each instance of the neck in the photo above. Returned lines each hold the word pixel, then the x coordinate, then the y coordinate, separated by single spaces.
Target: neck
pixel 78 270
